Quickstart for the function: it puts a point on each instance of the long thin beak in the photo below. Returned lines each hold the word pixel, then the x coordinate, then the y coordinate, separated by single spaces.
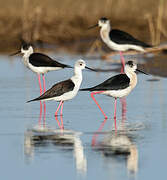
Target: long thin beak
pixel 93 26
pixel 141 71
pixel 90 69
pixel 18 52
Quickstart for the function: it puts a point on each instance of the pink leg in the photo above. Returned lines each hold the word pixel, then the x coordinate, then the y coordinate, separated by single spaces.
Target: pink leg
pixel 40 115
pixel 58 108
pixel 58 122
pixel 44 115
pixel 115 110
pixel 40 86
pixel 98 131
pixel 44 87
pixel 61 118
pixel 123 62
pixel 92 96
pixel 61 114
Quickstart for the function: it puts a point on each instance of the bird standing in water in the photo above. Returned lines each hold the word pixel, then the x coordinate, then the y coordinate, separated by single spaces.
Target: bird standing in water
pixel 39 63
pixel 118 40
pixel 117 86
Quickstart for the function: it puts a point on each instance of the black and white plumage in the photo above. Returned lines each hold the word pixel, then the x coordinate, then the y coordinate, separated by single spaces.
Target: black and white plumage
pixel 38 62
pixel 118 40
pixel 118 82
pixel 65 90
pixel 120 85
pixel 57 90
pixel 117 86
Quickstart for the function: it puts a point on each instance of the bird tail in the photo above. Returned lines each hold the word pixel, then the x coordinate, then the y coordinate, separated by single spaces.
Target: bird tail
pixel 36 99
pixel 68 66
pixel 86 89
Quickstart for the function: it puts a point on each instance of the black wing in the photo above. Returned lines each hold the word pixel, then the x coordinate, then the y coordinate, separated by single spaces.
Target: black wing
pixel 42 60
pixel 118 82
pixel 121 37
pixel 56 90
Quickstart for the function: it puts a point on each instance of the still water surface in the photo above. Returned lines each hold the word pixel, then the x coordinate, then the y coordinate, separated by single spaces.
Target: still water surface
pixel 89 148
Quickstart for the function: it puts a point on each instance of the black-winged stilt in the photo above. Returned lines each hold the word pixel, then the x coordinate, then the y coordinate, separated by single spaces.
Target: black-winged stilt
pixel 118 40
pixel 65 90
pixel 117 86
pixel 39 63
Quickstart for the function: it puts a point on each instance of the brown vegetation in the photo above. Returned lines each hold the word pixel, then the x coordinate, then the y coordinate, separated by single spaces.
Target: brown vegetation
pixel 65 22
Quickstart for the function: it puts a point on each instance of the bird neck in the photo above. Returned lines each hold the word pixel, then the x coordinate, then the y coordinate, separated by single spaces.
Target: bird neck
pixel 28 53
pixel 132 76
pixel 105 30
pixel 77 77
pixel 77 72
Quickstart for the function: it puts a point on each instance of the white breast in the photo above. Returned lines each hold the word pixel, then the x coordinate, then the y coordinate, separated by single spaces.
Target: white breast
pixel 118 93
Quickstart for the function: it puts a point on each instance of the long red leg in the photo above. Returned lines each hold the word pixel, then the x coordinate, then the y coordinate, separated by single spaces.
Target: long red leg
pixel 58 122
pixel 40 115
pixel 92 96
pixel 40 86
pixel 122 61
pixel 44 85
pixel 58 108
pixel 44 114
pixel 115 110
pixel 61 114
pixel 62 125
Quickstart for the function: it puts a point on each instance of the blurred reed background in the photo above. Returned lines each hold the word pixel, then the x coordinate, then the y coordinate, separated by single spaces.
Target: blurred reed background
pixel 63 23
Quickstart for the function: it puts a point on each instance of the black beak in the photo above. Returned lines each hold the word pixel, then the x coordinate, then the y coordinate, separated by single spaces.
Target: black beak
pixel 90 68
pixel 93 26
pixel 141 71
pixel 18 52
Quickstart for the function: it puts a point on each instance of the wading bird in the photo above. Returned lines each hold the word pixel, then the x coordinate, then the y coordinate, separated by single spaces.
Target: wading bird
pixel 118 40
pixel 39 63
pixel 117 86
pixel 65 90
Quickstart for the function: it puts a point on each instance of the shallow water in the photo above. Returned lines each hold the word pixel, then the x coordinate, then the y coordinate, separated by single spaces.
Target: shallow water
pixel 89 148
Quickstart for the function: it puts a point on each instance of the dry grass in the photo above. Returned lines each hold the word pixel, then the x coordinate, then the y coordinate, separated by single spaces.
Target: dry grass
pixel 66 21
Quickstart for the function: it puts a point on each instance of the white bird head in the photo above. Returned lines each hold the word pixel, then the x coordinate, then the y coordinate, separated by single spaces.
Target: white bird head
pixel 103 22
pixel 132 67
pixel 27 49
pixel 80 64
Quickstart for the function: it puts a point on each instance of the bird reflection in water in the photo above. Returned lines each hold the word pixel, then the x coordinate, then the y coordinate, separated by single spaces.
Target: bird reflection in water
pixel 118 143
pixel 40 115
pixel 69 141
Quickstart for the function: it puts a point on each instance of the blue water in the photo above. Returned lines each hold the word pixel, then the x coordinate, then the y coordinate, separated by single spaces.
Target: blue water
pixel 28 152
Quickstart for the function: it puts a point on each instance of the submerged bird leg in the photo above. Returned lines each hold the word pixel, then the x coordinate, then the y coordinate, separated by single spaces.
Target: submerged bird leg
pixel 40 86
pixel 44 87
pixel 44 114
pixel 40 115
pixel 115 110
pixel 58 108
pixel 92 96
pixel 58 122
pixel 122 61
pixel 62 125
pixel 61 114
